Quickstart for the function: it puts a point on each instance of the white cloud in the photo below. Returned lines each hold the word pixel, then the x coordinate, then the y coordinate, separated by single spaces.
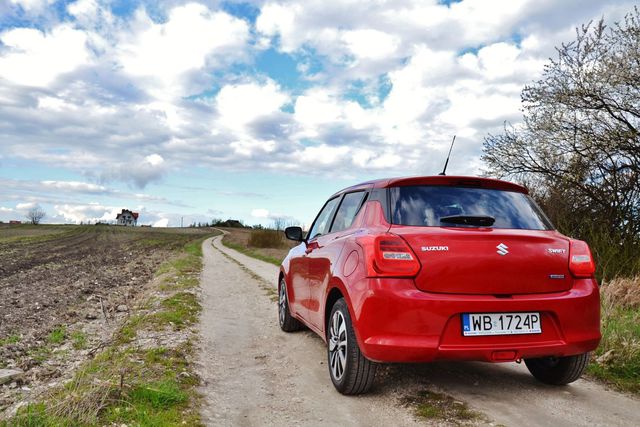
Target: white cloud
pixel 276 19
pixel 192 39
pixel 85 213
pixel 25 206
pixel 164 222
pixel 35 58
pixel 74 186
pixel 32 5
pixel 370 44
pixel 241 104
pixel 260 213
pixel 136 98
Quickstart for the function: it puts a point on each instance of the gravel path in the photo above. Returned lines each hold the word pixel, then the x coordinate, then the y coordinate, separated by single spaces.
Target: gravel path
pixel 254 374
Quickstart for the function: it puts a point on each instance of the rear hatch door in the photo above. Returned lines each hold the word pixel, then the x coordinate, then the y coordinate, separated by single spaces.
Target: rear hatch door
pixel 488 261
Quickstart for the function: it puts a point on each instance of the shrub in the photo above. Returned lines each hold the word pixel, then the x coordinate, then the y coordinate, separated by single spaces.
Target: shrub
pixel 266 239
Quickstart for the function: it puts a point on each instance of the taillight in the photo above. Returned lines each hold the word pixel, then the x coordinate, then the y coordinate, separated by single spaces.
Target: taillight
pixel 388 255
pixel 581 262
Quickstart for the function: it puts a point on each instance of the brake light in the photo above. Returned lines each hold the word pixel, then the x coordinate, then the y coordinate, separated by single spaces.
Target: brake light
pixel 388 255
pixel 581 262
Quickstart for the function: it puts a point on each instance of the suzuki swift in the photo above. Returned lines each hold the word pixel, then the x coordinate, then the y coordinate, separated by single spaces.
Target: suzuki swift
pixel 440 268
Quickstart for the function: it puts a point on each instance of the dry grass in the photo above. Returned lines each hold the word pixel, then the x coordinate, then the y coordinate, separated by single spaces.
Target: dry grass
pixel 267 239
pixel 239 239
pixel 621 293
pixel 617 359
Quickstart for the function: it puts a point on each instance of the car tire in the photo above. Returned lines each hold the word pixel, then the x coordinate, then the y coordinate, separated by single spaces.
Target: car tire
pixel 558 370
pixel 350 372
pixel 287 322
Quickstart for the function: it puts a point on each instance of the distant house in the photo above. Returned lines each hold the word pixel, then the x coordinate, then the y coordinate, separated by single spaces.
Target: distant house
pixel 126 217
pixel 15 222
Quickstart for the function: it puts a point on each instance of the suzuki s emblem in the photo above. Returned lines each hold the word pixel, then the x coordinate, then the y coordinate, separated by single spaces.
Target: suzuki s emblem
pixel 502 249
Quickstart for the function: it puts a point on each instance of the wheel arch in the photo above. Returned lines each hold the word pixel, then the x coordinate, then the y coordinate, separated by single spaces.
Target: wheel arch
pixel 335 291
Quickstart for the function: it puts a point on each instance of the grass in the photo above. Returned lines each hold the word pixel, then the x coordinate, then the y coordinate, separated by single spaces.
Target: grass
pixel 57 336
pixel 252 253
pixel 78 340
pixel 11 339
pixel 441 407
pixel 272 248
pixel 126 383
pixel 180 310
pixel 266 239
pixel 617 359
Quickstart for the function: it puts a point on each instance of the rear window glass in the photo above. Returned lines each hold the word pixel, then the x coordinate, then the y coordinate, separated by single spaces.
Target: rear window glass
pixel 347 211
pixel 426 205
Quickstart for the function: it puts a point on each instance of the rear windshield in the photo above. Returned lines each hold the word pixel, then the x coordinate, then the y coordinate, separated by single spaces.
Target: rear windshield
pixel 426 205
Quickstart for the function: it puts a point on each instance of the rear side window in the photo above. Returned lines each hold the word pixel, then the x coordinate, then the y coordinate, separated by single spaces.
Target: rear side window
pixel 426 206
pixel 323 221
pixel 347 211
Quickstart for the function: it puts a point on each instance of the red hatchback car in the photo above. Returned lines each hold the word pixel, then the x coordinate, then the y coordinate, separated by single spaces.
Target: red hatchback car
pixel 440 268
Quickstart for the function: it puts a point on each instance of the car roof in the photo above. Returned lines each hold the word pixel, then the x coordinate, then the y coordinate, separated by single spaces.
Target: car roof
pixel 441 180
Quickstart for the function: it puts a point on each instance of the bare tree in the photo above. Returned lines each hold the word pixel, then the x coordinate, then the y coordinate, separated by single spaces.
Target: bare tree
pixel 35 214
pixel 279 223
pixel 579 143
pixel 578 147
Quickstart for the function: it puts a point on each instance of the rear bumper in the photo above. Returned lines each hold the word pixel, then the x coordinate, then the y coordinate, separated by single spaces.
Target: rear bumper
pixel 395 322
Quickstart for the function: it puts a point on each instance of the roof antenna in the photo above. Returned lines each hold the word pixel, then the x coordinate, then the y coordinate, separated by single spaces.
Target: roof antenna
pixel 444 170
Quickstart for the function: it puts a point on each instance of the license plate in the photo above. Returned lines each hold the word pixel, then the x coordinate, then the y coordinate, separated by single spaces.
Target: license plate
pixel 500 323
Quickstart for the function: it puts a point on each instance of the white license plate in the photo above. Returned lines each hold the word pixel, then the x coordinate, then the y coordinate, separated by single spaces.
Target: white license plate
pixel 500 323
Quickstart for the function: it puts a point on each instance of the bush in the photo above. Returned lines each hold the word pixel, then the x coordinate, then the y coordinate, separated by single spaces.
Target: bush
pixel 621 293
pixel 266 239
pixel 617 359
pixel 614 255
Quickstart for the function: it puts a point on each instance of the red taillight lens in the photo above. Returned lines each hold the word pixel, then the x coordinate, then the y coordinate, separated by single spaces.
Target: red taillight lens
pixel 581 262
pixel 388 255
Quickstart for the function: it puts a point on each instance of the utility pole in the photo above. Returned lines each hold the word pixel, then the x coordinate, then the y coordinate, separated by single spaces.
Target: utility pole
pixel 181 222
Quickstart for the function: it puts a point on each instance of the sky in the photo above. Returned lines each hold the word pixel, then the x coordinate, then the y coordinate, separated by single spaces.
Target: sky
pixel 254 110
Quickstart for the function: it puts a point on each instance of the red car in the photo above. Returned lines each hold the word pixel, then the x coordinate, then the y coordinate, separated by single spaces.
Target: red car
pixel 440 268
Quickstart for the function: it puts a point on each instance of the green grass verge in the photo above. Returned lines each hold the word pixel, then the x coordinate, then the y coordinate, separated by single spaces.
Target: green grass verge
pixel 617 359
pixel 126 383
pixel 252 253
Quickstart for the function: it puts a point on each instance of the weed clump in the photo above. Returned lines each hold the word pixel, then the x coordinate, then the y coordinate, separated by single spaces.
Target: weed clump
pixel 441 407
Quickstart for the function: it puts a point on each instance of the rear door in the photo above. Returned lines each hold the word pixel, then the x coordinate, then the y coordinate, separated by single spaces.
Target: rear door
pixel 323 256
pixel 301 264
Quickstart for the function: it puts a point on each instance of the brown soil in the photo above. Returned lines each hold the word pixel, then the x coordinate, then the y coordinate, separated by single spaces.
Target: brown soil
pixel 76 279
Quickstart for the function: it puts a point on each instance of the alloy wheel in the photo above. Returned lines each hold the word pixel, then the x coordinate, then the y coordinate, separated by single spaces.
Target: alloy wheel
pixel 282 303
pixel 338 345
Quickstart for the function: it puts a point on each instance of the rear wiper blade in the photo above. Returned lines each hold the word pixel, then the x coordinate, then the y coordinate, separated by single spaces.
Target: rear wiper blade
pixel 478 220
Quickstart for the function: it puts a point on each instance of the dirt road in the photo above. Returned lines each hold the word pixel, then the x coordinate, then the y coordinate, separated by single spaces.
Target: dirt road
pixel 254 374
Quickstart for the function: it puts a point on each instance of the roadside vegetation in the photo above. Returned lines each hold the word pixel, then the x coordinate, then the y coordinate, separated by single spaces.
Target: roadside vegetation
pixel 141 374
pixel 264 244
pixel 577 150
pixel 617 360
